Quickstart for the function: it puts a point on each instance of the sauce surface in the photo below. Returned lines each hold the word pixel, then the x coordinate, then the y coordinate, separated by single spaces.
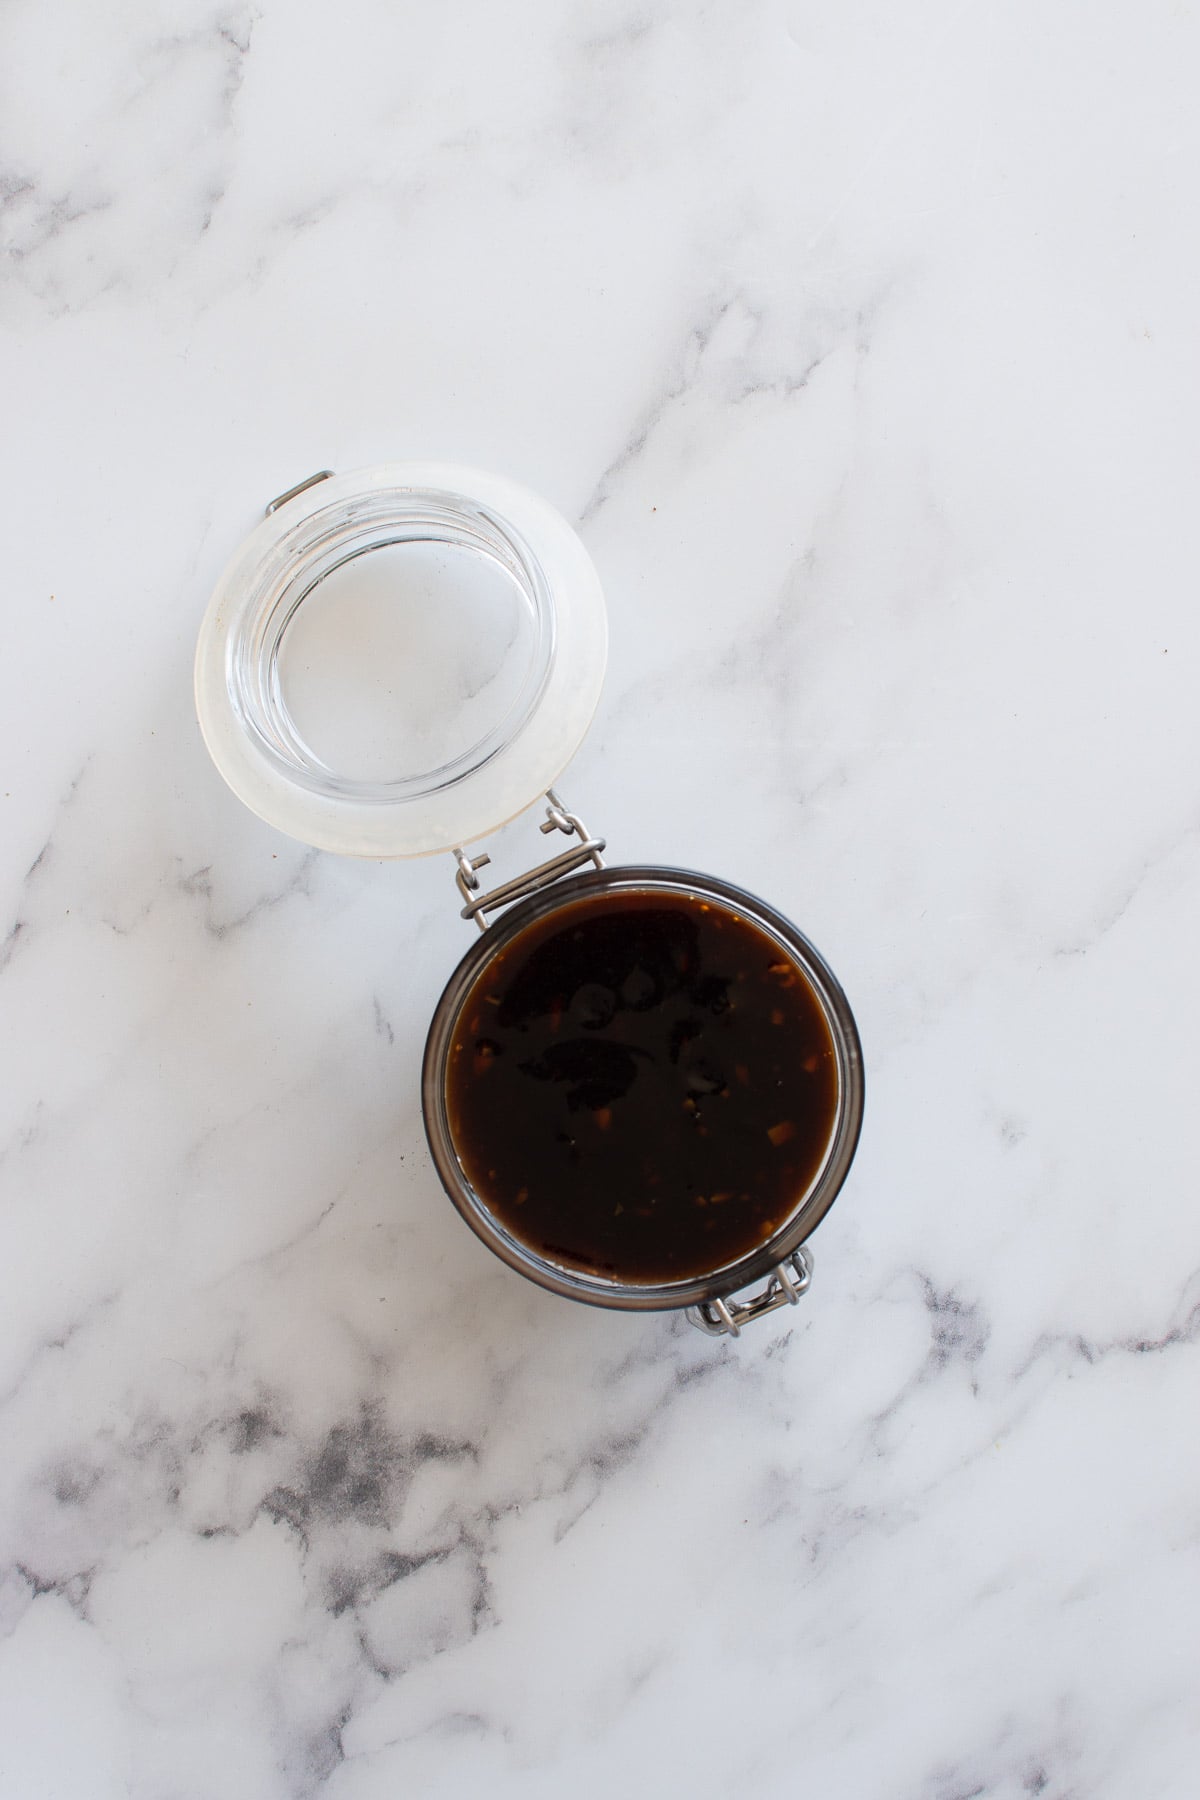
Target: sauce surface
pixel 641 1085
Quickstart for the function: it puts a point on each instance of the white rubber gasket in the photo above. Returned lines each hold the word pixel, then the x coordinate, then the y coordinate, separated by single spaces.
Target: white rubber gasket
pixel 480 799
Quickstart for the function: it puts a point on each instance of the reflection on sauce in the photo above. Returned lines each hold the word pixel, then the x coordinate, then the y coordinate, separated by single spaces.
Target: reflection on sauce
pixel 641 1086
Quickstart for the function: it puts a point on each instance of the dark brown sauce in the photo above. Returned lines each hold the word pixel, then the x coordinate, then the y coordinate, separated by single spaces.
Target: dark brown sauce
pixel 641 1086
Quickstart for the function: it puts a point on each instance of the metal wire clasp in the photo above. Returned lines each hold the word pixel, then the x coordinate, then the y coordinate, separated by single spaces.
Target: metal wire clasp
pixel 785 1285
pixel 586 850
pixel 300 488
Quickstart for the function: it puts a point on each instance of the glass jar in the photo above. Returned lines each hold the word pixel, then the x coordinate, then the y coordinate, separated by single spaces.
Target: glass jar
pixel 396 662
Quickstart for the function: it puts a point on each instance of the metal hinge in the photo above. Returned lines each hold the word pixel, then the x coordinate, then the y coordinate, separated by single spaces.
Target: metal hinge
pixel 585 850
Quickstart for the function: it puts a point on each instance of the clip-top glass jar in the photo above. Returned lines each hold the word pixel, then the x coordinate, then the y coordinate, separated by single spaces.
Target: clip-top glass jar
pixel 642 1087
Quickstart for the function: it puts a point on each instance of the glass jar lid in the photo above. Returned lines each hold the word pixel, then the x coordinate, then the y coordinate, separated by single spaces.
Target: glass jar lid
pixel 401 658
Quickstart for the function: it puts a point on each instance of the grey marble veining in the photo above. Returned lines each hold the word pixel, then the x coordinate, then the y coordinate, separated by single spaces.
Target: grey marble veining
pixel 861 346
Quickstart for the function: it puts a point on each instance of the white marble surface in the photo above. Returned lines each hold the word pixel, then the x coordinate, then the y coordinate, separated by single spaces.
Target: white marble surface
pixel 861 342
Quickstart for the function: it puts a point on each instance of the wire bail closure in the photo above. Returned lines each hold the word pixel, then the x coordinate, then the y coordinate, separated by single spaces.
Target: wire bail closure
pixel 586 850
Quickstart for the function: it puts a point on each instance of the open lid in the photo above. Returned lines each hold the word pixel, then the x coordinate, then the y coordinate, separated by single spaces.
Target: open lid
pixel 399 659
